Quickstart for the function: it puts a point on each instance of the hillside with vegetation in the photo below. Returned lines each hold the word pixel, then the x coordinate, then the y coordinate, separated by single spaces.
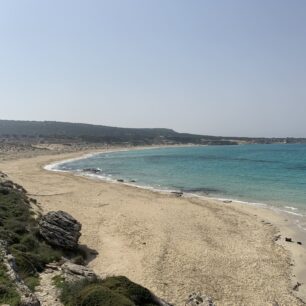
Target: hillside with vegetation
pixel 60 132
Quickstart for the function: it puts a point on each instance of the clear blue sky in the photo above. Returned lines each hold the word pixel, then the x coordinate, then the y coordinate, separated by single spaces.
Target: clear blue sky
pixel 210 67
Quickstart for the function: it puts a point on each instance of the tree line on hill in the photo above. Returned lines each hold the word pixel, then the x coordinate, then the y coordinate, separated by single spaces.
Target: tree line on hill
pixel 55 132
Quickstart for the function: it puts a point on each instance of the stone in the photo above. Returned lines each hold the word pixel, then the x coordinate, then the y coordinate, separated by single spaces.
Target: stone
pixel 27 297
pixel 92 170
pixel 288 239
pixel 198 299
pixel 296 286
pixel 60 229
pixel 177 193
pixel 73 272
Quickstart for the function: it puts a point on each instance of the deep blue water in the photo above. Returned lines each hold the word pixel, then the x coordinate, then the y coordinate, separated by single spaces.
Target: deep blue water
pixel 271 174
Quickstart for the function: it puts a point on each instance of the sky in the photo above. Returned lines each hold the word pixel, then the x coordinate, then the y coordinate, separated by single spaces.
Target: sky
pixel 218 67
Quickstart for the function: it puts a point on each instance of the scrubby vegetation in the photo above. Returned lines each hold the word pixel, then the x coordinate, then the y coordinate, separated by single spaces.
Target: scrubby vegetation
pixel 8 293
pixel 116 290
pixel 65 132
pixel 19 228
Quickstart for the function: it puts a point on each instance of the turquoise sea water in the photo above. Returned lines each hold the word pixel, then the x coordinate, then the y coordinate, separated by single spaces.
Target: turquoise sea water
pixel 271 174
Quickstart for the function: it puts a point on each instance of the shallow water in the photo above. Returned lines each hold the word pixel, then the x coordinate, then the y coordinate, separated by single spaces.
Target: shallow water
pixel 271 174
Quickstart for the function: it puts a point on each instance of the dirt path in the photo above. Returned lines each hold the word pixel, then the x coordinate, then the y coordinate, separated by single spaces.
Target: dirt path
pixel 46 292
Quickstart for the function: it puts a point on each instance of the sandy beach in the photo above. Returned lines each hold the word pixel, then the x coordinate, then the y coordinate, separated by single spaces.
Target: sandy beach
pixel 174 245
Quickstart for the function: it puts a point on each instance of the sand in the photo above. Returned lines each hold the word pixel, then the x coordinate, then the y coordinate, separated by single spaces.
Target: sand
pixel 173 245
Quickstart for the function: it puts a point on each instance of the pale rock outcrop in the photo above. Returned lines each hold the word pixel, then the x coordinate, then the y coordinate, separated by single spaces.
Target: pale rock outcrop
pixel 27 297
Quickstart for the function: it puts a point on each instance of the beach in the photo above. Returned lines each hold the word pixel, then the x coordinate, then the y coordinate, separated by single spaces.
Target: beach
pixel 174 245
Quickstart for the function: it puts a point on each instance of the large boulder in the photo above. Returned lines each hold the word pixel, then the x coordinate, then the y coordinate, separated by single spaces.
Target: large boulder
pixel 60 229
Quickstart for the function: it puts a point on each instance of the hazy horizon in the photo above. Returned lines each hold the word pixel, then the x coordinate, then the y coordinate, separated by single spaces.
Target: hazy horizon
pixel 214 68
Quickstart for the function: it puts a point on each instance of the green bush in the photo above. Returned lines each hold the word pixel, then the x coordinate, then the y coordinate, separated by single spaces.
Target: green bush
pixel 20 230
pixel 29 241
pixel 25 263
pixel 119 291
pixel 32 282
pixel 8 294
pixel 96 295
pixel 122 285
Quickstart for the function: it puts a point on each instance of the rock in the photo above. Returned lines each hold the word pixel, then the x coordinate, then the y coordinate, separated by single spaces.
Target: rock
pixel 177 193
pixel 296 286
pixel 46 291
pixel 92 170
pixel 52 266
pixel 299 242
pixel 120 180
pixel 60 229
pixel 27 297
pixel 196 299
pixel 288 239
pixel 73 272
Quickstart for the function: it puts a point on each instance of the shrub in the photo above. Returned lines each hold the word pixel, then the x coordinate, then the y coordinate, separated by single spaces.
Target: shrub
pixel 26 265
pixel 20 230
pixel 119 291
pixel 122 285
pixel 8 294
pixel 96 295
pixel 30 242
pixel 19 247
pixel 32 282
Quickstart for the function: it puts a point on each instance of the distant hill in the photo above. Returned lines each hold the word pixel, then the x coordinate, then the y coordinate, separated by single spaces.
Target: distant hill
pixel 52 131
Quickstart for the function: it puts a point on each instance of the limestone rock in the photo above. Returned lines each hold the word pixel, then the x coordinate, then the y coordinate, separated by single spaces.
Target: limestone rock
pixel 60 229
pixel 27 297
pixel 73 272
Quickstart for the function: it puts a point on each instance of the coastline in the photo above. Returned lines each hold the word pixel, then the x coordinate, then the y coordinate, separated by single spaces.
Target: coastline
pixel 57 190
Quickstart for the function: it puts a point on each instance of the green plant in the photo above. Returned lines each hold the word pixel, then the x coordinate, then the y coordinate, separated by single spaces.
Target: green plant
pixel 20 230
pixel 32 282
pixel 117 290
pixel 8 293
pixel 58 281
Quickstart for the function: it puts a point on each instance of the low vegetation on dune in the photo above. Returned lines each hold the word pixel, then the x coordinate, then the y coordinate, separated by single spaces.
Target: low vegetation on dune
pixel 19 230
pixel 8 293
pixel 116 290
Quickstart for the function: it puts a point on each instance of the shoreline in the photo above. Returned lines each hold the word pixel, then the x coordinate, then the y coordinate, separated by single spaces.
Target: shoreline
pixel 53 167
pixel 277 219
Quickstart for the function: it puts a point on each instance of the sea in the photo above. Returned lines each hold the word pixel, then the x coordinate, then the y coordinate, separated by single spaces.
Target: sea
pixel 271 175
